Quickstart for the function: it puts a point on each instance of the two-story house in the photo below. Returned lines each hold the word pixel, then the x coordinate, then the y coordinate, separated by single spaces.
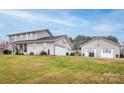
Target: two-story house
pixel 38 41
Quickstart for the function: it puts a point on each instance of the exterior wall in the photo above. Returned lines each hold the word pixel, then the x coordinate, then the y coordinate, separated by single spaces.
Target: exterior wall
pixel 64 43
pixel 38 47
pixel 98 45
pixel 122 48
pixel 29 36
pixel 42 34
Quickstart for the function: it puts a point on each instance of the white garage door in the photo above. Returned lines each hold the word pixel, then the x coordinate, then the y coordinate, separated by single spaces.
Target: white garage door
pixel 107 53
pixel 60 50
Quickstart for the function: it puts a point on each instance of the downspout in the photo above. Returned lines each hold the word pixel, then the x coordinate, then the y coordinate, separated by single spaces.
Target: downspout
pixel 53 48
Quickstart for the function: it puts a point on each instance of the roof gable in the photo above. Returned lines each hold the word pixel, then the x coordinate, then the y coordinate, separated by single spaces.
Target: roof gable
pixel 66 37
pixel 100 38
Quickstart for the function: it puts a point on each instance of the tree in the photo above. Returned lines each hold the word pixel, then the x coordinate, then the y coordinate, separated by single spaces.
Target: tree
pixel 112 38
pixel 71 39
pixel 78 40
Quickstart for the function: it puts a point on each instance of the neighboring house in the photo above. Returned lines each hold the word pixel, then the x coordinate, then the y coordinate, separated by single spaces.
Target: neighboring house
pixel 38 41
pixel 100 47
pixel 122 48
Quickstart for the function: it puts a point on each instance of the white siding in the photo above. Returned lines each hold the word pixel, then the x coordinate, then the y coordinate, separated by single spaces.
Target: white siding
pixel 29 36
pixel 42 34
pixel 64 43
pixel 98 45
pixel 60 50
pixel 38 47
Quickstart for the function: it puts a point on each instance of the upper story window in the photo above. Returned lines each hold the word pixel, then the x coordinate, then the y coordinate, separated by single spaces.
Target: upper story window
pixel 15 38
pixel 34 36
pixel 31 36
pixel 27 36
pixel 11 39
pixel 24 37
pixel 21 37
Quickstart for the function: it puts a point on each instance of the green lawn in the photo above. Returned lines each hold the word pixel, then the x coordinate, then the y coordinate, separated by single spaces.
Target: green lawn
pixel 59 70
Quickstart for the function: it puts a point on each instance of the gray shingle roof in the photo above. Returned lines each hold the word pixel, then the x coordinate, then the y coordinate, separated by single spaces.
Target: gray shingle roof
pixel 51 38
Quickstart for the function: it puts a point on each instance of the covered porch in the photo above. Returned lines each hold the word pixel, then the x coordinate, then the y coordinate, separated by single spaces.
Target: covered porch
pixel 20 48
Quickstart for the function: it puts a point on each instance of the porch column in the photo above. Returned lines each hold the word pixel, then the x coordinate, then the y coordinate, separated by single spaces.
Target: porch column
pixel 23 47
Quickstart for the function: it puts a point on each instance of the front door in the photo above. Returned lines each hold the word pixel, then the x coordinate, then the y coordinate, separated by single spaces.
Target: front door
pixel 90 52
pixel 25 47
pixel 21 48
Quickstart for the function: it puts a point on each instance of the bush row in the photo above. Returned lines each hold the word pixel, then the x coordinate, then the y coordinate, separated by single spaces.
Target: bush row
pixel 32 53
pixel 71 54
pixel 44 53
pixel 7 51
pixel 41 53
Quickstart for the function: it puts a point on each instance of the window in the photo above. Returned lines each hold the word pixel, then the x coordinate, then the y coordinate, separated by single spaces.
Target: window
pixel 21 37
pixel 33 35
pixel 34 45
pixel 90 50
pixel 27 36
pixel 12 39
pixel 15 38
pixel 106 50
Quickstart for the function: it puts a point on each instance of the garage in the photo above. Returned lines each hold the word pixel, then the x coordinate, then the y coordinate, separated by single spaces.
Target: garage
pixel 60 50
pixel 108 53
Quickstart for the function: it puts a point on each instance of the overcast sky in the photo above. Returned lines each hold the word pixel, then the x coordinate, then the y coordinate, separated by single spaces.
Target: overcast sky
pixel 70 22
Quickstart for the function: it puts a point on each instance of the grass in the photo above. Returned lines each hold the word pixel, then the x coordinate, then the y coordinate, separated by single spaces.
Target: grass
pixel 59 70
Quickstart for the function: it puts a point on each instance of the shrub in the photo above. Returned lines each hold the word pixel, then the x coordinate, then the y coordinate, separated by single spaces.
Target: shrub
pixel 43 53
pixel 71 54
pixel 31 53
pixel 91 54
pixel 7 51
pixel 21 54
pixel 67 54
pixel 116 55
pixel 121 56
pixel 17 52
pixel 79 54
